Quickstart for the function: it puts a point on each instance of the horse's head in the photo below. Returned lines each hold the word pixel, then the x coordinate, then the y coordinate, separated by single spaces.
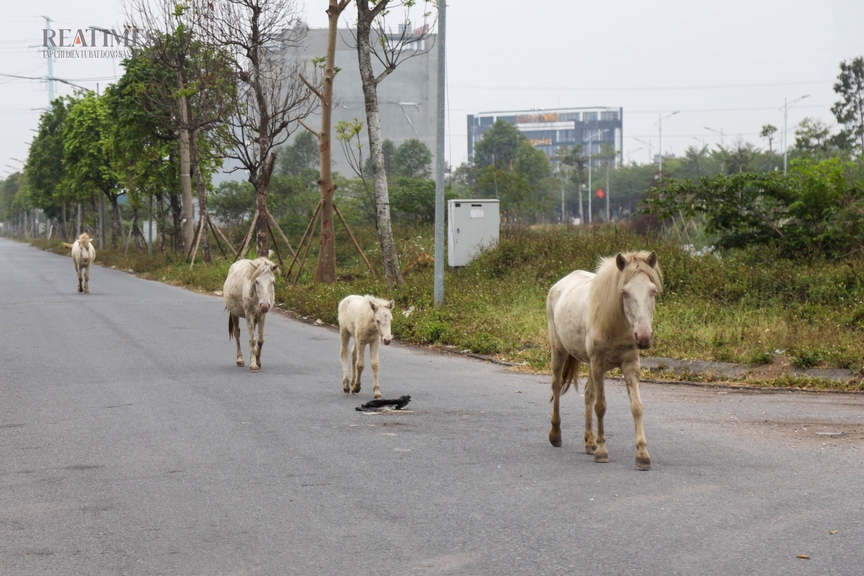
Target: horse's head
pixel 641 286
pixel 264 280
pixel 383 314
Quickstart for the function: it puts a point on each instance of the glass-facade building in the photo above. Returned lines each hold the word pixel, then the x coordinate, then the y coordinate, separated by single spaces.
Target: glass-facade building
pixel 548 129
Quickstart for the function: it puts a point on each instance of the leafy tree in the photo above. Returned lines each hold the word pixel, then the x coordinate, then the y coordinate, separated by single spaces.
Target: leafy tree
pixel 13 197
pixel 531 162
pixel 45 168
pixel 741 157
pixel 498 146
pixel 413 199
pixel 232 202
pixel 90 166
pixel 768 132
pixel 412 159
pixel 815 209
pixel 813 139
pixel 299 156
pixel 849 111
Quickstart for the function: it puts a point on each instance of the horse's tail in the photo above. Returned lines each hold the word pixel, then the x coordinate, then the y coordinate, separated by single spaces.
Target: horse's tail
pixel 67 246
pixel 570 374
pixel 232 323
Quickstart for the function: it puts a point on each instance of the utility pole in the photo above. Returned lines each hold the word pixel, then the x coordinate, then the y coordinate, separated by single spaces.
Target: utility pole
pixel 660 128
pixel 785 131
pixel 50 49
pixel 439 158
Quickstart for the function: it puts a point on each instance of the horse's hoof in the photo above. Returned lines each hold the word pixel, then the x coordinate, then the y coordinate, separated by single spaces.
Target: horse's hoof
pixel 378 396
pixel 80 290
pixel 555 439
pixel 643 463
pixel 241 363
pixel 601 459
pixel 589 449
pixel 254 368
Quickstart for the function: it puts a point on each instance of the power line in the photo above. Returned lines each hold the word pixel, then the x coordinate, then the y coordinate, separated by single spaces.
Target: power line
pixel 643 88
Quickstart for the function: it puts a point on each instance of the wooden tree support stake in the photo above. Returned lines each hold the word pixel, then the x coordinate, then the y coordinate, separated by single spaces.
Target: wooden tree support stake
pixel 241 252
pixel 198 234
pixel 218 243
pixel 303 239
pixel 218 234
pixel 276 225
pixel 353 240
pixel 276 246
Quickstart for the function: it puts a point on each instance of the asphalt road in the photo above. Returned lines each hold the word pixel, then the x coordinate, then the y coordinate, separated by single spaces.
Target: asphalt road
pixel 131 444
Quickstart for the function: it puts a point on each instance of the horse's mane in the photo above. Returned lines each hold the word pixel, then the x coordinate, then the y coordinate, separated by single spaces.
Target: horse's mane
pixel 259 266
pixel 378 301
pixel 607 312
pixel 84 239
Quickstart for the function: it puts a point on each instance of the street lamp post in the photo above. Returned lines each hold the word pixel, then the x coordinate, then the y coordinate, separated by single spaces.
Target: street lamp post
pixel 720 132
pixel 660 131
pixel 590 192
pixel 785 109
pixel 650 149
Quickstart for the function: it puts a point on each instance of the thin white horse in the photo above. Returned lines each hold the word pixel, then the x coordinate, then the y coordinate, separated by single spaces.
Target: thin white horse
pixel 367 319
pixel 249 293
pixel 602 319
pixel 83 255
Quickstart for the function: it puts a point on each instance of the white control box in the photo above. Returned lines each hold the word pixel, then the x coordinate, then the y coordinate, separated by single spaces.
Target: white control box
pixel 473 226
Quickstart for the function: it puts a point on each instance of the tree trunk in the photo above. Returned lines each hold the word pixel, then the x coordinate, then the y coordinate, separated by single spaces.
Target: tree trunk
pixel 187 220
pixel 376 152
pixel 326 271
pixel 116 230
pixel 206 256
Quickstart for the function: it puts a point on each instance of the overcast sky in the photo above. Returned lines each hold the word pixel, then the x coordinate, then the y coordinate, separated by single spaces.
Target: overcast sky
pixel 727 66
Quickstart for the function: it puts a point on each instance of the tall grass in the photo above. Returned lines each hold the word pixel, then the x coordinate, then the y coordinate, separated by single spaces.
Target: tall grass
pixel 745 306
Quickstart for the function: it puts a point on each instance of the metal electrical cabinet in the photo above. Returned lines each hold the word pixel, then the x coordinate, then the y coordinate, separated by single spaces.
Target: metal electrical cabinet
pixel 473 225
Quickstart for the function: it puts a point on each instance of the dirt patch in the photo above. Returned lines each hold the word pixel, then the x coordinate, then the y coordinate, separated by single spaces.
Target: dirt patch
pixel 779 367
pixel 814 432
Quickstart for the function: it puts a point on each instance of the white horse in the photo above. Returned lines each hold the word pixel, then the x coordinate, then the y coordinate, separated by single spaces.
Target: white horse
pixel 249 293
pixel 368 320
pixel 603 320
pixel 83 255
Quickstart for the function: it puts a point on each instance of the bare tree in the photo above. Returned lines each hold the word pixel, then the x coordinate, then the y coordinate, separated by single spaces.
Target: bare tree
pixel 270 98
pixel 390 49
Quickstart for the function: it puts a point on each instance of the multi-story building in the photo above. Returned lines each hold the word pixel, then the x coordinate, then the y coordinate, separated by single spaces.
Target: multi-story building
pixel 406 98
pixel 549 129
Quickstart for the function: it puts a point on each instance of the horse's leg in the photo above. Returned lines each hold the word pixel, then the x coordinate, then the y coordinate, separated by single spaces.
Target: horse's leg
pixel 87 279
pixel 78 271
pixel 559 358
pixel 631 378
pixel 234 332
pixel 261 320
pixel 345 337
pixel 590 400
pixel 373 360
pixel 358 352
pixel 596 377
pixel 253 346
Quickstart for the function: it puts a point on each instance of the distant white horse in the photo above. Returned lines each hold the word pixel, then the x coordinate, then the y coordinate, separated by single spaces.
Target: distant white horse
pixel 368 320
pixel 83 255
pixel 249 293
pixel 603 320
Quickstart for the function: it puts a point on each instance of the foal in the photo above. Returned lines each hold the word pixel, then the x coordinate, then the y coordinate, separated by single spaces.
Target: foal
pixel 83 255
